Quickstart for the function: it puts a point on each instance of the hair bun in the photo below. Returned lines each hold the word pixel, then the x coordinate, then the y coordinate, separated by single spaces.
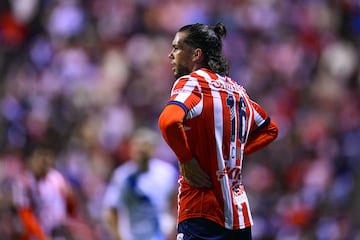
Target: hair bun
pixel 220 30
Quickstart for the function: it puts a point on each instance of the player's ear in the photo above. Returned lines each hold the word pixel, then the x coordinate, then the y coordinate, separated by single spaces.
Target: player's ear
pixel 198 55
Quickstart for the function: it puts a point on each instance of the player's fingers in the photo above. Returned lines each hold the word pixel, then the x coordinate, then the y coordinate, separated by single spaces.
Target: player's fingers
pixel 199 180
pixel 205 180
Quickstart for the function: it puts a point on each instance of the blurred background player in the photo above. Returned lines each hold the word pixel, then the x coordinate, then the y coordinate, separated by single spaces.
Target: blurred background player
pixel 44 197
pixel 138 198
pixel 45 201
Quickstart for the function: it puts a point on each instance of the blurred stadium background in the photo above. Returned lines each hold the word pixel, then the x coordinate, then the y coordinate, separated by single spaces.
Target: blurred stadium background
pixel 80 75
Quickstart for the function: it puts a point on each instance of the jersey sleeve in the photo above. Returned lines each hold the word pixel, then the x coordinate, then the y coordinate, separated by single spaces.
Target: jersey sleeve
pixel 261 137
pixel 185 93
pixel 262 132
pixel 261 118
pixel 172 129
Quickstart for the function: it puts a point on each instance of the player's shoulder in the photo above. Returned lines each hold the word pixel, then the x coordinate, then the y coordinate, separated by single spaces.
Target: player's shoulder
pixel 124 170
pixel 195 75
pixel 158 163
pixel 203 73
pixel 163 170
pixel 184 80
pixel 56 177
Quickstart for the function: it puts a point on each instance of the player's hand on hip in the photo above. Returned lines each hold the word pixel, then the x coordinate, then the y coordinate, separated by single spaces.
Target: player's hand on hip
pixel 194 174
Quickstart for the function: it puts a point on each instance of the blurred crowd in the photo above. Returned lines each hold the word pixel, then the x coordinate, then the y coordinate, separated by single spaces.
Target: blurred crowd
pixel 78 76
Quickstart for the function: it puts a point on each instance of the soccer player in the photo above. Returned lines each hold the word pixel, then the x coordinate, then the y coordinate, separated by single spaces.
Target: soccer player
pixel 211 123
pixel 44 198
pixel 137 199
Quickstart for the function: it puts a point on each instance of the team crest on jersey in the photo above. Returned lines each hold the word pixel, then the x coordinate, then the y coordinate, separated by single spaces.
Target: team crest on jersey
pixel 180 236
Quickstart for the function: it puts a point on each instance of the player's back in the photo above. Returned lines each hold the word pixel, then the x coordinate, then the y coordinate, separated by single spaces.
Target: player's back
pixel 215 128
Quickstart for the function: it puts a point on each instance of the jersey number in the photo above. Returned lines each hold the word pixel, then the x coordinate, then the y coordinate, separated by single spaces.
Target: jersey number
pixel 240 115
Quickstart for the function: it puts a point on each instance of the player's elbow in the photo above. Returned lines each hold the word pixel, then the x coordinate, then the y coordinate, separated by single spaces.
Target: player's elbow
pixel 273 130
pixel 170 117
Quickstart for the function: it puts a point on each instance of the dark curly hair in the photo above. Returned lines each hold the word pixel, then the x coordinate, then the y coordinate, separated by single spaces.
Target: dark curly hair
pixel 209 40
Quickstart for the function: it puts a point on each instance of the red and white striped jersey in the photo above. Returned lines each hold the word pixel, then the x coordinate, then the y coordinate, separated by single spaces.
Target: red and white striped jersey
pixel 220 116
